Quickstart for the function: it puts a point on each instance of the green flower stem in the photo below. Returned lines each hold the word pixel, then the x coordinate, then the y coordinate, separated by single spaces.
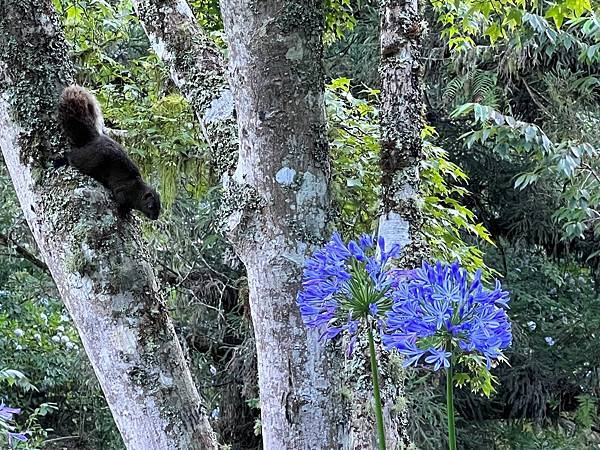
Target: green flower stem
pixel 376 394
pixel 450 407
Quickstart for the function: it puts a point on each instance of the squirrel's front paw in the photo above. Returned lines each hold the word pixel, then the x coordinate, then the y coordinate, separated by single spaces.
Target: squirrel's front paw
pixel 124 212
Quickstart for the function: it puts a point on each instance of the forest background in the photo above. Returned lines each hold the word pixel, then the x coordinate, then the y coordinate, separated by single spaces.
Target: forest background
pixel 511 183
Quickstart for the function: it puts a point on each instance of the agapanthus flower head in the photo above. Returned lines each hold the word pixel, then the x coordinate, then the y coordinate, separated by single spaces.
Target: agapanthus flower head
pixel 345 284
pixel 438 310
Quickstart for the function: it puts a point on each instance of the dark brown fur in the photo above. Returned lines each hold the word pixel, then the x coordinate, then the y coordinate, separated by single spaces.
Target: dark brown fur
pixel 102 158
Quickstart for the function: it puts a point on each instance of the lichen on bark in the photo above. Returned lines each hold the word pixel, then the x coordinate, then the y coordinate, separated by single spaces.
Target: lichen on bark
pixel 277 82
pixel 32 101
pixel 401 119
pixel 198 69
pixel 97 260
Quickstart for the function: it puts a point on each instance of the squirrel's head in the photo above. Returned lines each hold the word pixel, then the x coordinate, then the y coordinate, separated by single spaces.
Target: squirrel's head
pixel 150 204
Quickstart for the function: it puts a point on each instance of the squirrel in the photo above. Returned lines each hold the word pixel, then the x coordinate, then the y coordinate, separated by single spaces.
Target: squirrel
pixel 99 156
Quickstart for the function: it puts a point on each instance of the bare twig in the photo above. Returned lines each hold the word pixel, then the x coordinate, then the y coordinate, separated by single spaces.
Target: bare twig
pixel 59 439
pixel 8 242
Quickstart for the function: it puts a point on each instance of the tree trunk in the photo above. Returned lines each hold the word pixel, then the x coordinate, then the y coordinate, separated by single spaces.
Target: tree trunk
pixel 275 206
pixel 401 118
pixel 280 200
pixel 97 260
pixel 401 125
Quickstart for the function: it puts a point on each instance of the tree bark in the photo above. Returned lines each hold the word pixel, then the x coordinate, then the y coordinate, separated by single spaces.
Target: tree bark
pixel 97 260
pixel 279 201
pixel 401 117
pixel 401 126
pixel 275 205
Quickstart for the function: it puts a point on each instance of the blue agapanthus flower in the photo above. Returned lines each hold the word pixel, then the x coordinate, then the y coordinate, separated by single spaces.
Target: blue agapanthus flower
pixel 6 415
pixel 436 309
pixel 344 284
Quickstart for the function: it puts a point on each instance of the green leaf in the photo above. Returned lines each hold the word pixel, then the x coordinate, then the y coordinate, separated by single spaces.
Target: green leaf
pixel 494 32
pixel 578 7
pixel 462 110
pixel 556 13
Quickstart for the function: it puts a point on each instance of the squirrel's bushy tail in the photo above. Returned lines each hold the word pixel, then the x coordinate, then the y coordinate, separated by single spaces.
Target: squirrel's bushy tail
pixel 80 115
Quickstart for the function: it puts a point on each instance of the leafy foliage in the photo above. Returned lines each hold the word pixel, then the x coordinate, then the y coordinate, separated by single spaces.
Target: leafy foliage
pixel 522 80
pixel 37 337
pixel 571 166
pixel 112 54
pixel 355 55
pixel 354 140
pixel 467 22
pixel 475 85
pixel 531 147
pixel 448 222
pixel 531 140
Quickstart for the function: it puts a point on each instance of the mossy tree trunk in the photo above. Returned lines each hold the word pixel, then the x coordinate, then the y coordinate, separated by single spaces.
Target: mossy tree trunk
pixel 279 202
pixel 97 260
pixel 276 201
pixel 401 118
pixel 401 127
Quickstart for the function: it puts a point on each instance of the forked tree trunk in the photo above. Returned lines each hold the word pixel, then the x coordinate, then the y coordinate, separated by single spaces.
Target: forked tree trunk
pixel 97 260
pixel 280 200
pixel 276 203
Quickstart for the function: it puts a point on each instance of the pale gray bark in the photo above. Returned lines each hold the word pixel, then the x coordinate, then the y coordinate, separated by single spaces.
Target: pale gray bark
pixel 401 125
pixel 282 176
pixel 97 260
pixel 401 116
pixel 275 204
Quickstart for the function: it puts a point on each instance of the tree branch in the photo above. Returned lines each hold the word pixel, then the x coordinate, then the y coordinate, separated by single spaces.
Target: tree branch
pixel 8 242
